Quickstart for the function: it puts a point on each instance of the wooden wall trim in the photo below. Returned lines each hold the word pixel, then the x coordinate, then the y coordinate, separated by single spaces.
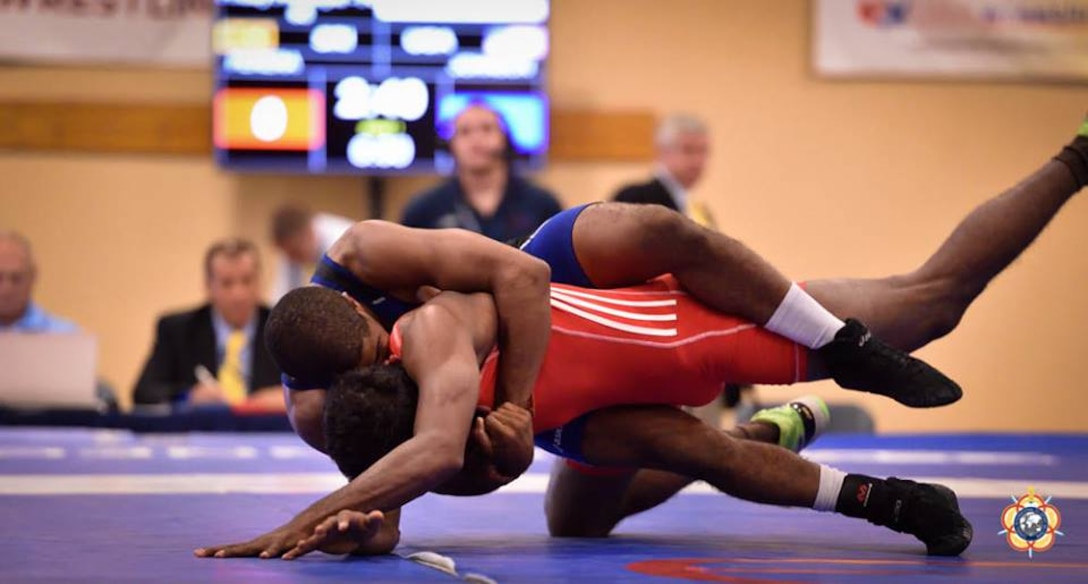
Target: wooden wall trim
pixel 185 129
pixel 590 136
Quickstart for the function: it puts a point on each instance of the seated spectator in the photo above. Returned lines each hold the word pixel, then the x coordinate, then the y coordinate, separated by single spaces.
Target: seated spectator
pixel 18 313
pixel 301 236
pixel 214 354
pixel 683 146
pixel 483 195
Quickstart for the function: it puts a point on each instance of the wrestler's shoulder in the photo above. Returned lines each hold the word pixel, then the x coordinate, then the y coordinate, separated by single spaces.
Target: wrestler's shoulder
pixel 367 237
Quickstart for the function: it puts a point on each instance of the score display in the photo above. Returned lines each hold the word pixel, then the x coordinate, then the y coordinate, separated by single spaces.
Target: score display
pixel 372 86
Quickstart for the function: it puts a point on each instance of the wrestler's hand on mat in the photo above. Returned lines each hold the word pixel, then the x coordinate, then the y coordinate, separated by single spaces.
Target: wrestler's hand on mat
pixel 510 430
pixel 270 545
pixel 343 533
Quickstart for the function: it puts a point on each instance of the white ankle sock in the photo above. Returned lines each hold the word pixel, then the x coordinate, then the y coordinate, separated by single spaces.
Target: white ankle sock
pixel 803 320
pixel 831 480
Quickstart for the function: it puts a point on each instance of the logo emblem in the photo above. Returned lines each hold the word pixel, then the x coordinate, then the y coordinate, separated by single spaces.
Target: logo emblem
pixel 884 13
pixel 1031 523
pixel 863 494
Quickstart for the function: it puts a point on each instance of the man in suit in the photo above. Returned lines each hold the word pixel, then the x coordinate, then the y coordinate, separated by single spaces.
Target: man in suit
pixel 215 353
pixel 683 146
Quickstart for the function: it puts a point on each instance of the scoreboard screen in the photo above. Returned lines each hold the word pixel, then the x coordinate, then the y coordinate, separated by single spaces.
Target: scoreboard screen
pixel 373 86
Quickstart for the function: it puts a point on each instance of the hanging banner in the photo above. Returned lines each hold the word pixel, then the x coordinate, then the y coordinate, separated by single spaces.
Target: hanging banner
pixel 134 32
pixel 979 39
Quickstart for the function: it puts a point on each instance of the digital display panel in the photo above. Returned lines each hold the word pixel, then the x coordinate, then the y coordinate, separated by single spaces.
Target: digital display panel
pixel 373 86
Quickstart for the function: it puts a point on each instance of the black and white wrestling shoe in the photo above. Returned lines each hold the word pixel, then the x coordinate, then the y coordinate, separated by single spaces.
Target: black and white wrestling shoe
pixel 858 360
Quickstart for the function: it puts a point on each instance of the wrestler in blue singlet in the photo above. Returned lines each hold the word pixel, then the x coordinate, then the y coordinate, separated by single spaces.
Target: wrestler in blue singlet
pixel 552 242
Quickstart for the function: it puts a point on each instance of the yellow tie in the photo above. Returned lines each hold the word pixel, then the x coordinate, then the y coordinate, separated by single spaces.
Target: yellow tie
pixel 308 270
pixel 230 376
pixel 700 213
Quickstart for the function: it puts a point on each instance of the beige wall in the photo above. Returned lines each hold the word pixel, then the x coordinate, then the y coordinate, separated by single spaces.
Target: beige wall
pixel 824 178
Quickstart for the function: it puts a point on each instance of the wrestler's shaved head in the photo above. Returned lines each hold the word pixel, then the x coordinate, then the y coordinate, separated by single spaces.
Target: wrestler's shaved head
pixel 315 334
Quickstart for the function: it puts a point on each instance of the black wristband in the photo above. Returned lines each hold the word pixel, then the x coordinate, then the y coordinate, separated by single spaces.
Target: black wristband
pixel 1075 158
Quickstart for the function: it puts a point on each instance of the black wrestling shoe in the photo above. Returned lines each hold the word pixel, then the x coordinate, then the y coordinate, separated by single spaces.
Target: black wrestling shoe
pixel 929 512
pixel 857 360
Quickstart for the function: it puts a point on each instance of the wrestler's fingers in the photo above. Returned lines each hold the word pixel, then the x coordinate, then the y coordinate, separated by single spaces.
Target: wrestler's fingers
pixel 512 416
pixel 483 440
pixel 360 525
pixel 500 424
pixel 304 547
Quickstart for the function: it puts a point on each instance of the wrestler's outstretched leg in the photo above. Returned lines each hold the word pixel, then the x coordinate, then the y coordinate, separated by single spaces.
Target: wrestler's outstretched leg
pixel 663 438
pixel 589 501
pixel 617 244
pixel 910 310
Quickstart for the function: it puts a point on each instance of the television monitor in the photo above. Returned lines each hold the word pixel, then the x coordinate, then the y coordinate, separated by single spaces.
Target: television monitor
pixel 372 86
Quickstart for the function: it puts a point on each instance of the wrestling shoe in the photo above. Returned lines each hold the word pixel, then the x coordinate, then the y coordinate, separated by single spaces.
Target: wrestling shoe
pixel 800 422
pixel 858 360
pixel 929 512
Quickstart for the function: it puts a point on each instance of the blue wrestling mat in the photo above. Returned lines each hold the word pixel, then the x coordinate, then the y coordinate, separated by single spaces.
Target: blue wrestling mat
pixel 109 506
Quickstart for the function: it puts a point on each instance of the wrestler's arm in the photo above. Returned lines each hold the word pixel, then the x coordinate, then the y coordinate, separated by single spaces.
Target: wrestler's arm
pixel 495 449
pixel 446 372
pixel 506 427
pixel 472 483
pixel 393 257
pixel 306 411
pixel 396 258
pixel 438 353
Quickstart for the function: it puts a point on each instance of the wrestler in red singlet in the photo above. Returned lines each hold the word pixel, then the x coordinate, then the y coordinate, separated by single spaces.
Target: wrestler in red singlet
pixel 651 344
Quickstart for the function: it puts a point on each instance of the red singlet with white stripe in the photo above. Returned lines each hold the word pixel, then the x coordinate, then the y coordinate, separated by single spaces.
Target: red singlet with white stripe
pixel 649 344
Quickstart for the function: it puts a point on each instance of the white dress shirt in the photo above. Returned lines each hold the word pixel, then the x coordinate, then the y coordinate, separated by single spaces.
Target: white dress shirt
pixel 291 275
pixel 678 193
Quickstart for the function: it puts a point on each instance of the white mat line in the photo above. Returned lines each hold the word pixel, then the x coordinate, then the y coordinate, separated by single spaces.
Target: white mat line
pixel 32 452
pixel 972 488
pixel 171 484
pixel 321 483
pixel 295 452
pixel 938 457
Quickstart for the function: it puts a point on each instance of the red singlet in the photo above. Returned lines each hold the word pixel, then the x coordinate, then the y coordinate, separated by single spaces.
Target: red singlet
pixel 649 344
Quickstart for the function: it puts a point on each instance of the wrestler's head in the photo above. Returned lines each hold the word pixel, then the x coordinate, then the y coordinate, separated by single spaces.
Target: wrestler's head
pixel 315 334
pixel 368 412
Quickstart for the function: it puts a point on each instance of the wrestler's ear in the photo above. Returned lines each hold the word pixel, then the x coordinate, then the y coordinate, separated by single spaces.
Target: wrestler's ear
pixel 354 303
